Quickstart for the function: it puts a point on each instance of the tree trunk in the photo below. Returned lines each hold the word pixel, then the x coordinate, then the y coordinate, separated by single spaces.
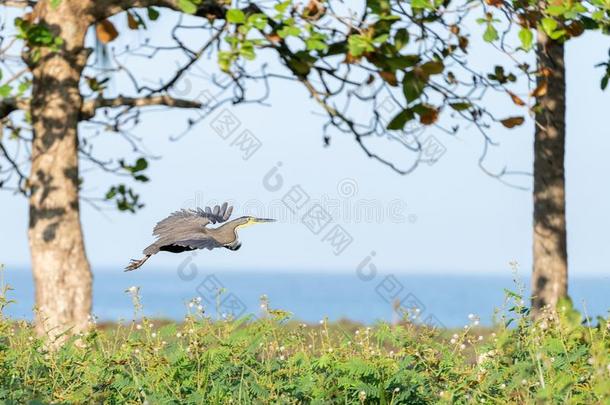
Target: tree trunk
pixel 550 273
pixel 61 271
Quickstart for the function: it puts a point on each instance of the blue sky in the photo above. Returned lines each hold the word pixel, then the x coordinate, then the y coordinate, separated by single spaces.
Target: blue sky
pixel 448 217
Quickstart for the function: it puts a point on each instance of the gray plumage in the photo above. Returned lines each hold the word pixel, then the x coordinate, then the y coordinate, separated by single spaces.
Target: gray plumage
pixel 187 229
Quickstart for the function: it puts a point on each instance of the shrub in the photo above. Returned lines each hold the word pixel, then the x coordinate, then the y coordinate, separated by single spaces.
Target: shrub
pixel 558 359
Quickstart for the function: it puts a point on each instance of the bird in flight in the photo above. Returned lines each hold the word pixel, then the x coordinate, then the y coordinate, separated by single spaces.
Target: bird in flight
pixel 188 229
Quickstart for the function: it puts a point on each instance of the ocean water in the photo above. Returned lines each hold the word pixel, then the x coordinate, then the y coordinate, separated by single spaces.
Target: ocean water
pixel 442 299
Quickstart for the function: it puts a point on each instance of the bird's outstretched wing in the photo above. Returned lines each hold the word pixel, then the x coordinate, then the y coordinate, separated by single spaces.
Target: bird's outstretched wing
pixel 184 230
pixel 188 220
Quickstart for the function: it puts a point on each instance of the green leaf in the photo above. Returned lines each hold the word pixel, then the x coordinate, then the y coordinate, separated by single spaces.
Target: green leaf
pixel 555 11
pixel 400 120
pixel 491 34
pixel 403 61
pixel 258 21
pixel 225 59
pixel 412 86
pixel 401 39
pixel 557 34
pixel 549 25
pixel 5 90
pixel 460 106
pixel 24 86
pixel 55 4
pixel 141 164
pixel 604 82
pixel 187 6
pixel 314 44
pixel 420 4
pixel 153 14
pixel 299 66
pixel 527 38
pixel 236 16
pixel 379 7
pixel 281 7
pixel 433 67
pixel 597 16
pixel 247 50
pixel 111 193
pixel 359 44
pixel 381 39
pixel 289 30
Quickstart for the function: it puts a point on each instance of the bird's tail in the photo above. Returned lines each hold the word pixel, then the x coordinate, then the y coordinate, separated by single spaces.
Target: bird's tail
pixel 135 264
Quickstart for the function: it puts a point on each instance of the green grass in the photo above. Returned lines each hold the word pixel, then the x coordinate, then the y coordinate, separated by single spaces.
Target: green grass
pixel 275 360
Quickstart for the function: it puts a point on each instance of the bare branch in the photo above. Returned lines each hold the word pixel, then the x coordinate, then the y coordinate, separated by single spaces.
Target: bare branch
pixel 89 107
pixel 22 177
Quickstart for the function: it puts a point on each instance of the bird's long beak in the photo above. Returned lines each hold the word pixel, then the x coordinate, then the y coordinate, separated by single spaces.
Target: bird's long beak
pixel 263 220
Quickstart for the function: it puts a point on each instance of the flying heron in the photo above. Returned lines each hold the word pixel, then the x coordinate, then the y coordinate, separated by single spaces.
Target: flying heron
pixel 188 229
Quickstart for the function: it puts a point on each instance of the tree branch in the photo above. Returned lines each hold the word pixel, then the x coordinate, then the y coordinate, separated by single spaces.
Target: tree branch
pixel 17 3
pixel 89 107
pixel 102 9
pixel 10 104
pixel 22 177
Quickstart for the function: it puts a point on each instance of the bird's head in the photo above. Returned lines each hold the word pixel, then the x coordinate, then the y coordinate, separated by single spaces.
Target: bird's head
pixel 247 221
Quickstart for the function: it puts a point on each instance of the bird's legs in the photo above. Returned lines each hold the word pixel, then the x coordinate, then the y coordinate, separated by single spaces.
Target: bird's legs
pixel 134 264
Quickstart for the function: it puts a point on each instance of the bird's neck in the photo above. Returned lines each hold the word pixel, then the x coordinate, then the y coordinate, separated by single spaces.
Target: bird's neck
pixel 227 232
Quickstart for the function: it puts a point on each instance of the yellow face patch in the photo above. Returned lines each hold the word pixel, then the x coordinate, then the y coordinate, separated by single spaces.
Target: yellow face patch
pixel 250 222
